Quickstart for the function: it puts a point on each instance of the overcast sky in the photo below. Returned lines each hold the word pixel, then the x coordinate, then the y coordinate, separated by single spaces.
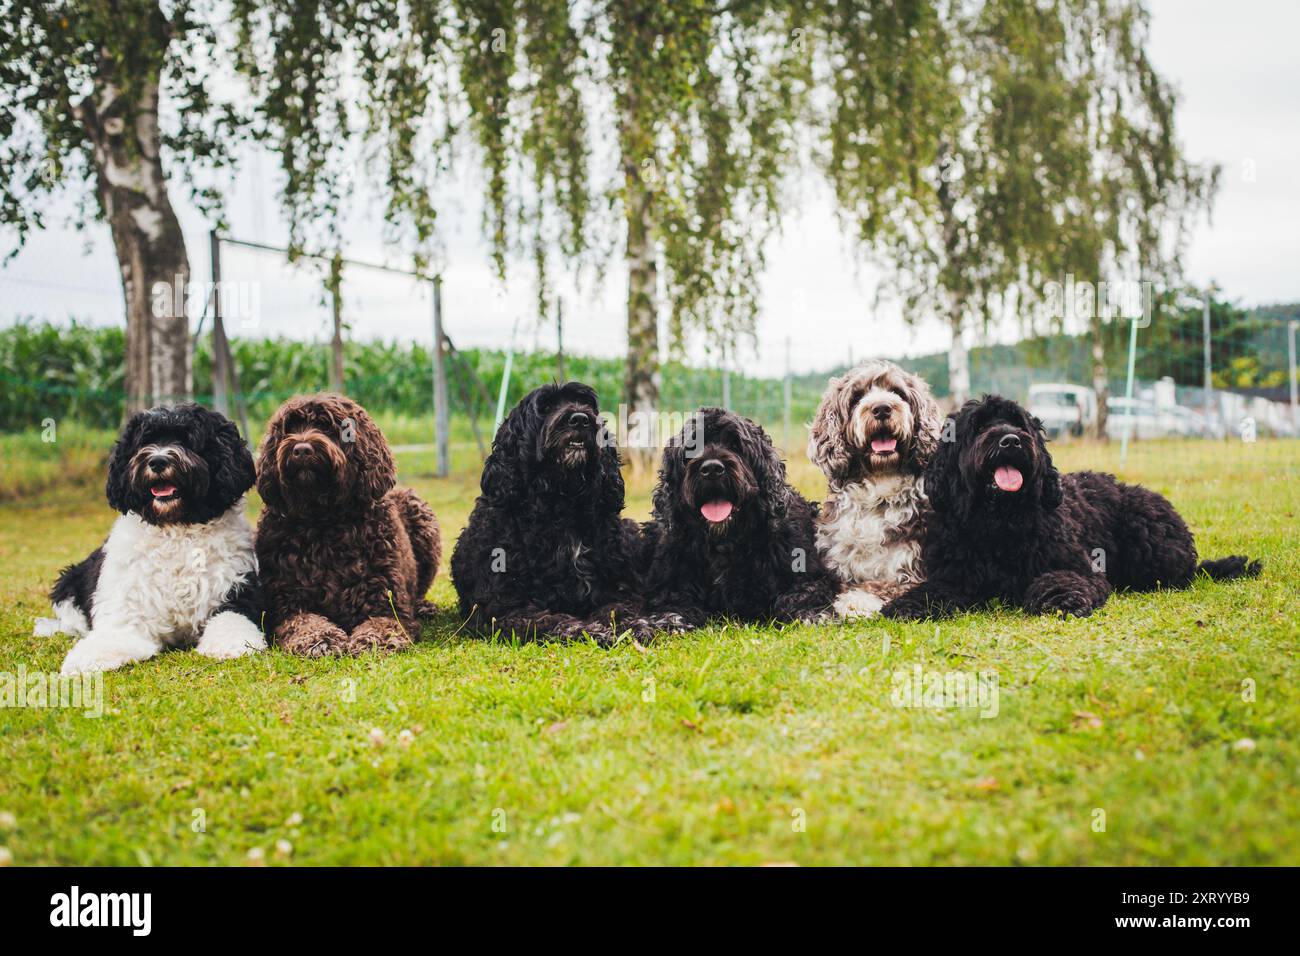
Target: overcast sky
pixel 1234 63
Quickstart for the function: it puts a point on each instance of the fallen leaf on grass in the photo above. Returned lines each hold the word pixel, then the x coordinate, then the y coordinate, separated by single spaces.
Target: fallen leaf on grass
pixel 1085 718
pixel 556 727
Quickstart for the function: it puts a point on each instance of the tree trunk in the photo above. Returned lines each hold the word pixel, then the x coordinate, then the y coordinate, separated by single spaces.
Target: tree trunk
pixel 641 380
pixel 1100 377
pixel 126 147
pixel 958 363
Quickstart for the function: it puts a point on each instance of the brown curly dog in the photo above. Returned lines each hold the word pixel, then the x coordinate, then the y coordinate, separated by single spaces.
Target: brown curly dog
pixel 345 557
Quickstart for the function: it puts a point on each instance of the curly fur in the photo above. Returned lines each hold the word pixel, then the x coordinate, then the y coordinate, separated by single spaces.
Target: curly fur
pixel 177 569
pixel 1054 544
pixel 870 527
pixel 346 557
pixel 545 554
pixel 759 562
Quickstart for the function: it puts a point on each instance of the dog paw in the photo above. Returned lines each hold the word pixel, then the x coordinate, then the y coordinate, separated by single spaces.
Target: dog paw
pixel 602 632
pixel 230 635
pixel 1061 602
pixel 377 634
pixel 46 627
pixel 906 609
pixel 106 652
pixel 857 604
pixel 669 623
pixel 310 635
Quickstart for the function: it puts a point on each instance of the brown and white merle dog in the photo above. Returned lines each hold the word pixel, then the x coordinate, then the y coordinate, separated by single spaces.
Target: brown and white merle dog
pixel 346 557
pixel 873 435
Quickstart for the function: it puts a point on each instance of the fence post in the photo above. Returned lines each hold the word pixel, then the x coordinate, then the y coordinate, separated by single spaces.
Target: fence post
pixel 220 398
pixel 726 381
pixel 1128 392
pixel 505 382
pixel 336 307
pixel 785 399
pixel 559 336
pixel 441 414
pixel 1209 378
pixel 1295 404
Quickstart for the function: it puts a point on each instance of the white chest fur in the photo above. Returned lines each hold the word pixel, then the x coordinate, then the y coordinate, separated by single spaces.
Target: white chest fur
pixel 870 531
pixel 168 581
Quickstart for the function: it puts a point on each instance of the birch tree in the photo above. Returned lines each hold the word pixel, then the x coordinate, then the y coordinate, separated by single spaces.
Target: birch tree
pixel 1053 154
pixel 82 85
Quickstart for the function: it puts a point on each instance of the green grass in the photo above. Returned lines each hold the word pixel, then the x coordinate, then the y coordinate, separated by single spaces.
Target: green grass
pixel 706 748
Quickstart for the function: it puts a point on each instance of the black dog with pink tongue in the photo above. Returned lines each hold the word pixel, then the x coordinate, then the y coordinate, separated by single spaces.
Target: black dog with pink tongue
pixel 1007 525
pixel 729 536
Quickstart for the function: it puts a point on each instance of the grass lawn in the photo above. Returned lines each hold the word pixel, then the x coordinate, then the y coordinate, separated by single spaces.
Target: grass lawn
pixel 728 745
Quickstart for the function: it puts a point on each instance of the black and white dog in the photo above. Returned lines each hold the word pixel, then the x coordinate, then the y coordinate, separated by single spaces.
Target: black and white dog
pixel 178 568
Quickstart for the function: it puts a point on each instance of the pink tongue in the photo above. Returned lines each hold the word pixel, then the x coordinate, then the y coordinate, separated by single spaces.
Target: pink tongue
pixel 162 491
pixel 881 445
pixel 716 511
pixel 1008 478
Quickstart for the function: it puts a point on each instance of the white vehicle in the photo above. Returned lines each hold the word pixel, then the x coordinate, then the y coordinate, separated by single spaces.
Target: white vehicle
pixel 1145 420
pixel 1063 409
pixel 1142 420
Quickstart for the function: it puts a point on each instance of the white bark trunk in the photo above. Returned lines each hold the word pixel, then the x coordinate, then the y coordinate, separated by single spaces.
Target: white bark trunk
pixel 1100 378
pixel 958 365
pixel 130 183
pixel 641 380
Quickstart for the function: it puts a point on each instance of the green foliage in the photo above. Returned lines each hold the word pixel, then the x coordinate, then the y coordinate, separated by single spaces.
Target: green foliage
pixel 53 53
pixel 75 372
pixel 1248 347
pixel 1049 148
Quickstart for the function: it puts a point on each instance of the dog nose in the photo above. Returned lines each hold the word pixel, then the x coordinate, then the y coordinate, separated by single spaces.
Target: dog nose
pixel 158 462
pixel 1009 441
pixel 579 420
pixel 712 468
pixel 881 411
pixel 301 450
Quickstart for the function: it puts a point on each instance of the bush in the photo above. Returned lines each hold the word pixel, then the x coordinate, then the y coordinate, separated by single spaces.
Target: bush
pixel 76 372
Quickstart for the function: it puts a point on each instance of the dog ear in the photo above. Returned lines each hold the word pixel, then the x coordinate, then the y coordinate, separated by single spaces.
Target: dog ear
pixel 769 470
pixel 373 470
pixel 228 458
pixel 826 446
pixel 667 495
pixel 942 473
pixel 268 472
pixel 118 487
pixel 611 474
pixel 503 474
pixel 1050 492
pixel 928 417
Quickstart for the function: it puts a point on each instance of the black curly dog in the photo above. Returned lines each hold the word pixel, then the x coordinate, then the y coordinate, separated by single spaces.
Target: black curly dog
pixel 729 537
pixel 1007 525
pixel 546 553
